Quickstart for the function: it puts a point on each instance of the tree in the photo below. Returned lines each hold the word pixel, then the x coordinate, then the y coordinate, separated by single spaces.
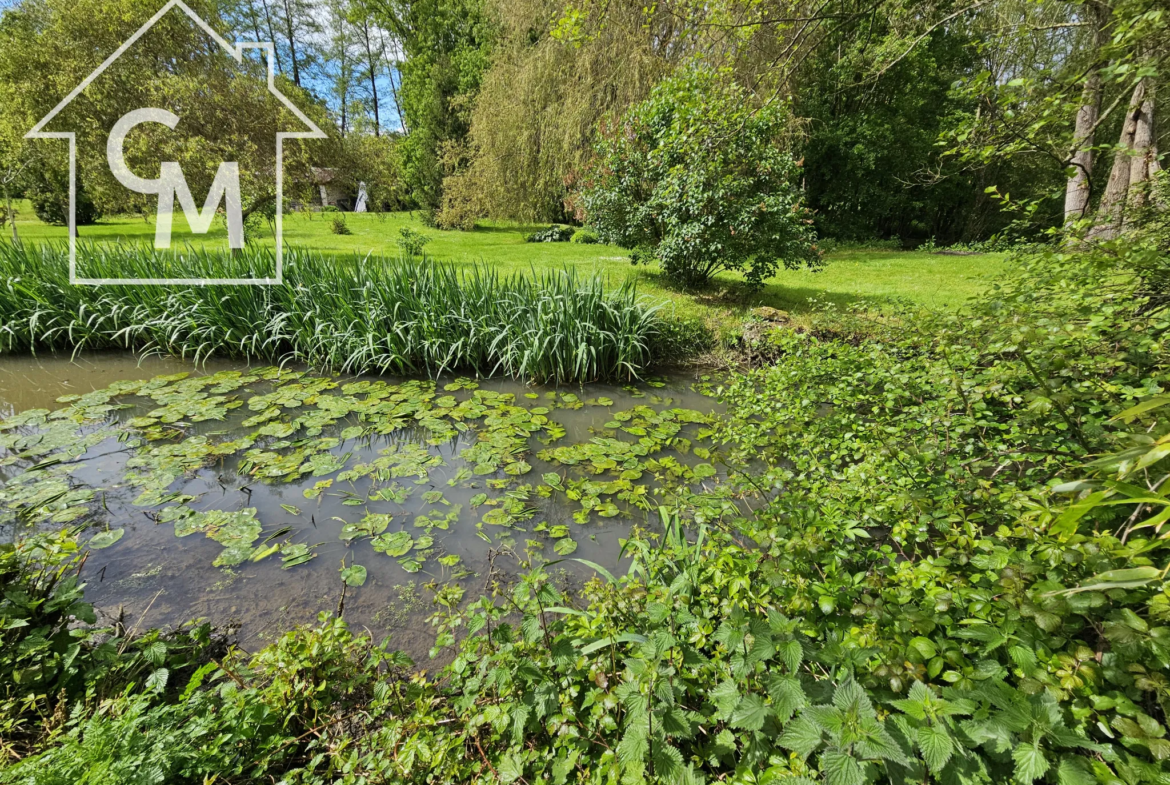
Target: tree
pixel 340 61
pixel 446 45
pixel 227 112
pixel 697 176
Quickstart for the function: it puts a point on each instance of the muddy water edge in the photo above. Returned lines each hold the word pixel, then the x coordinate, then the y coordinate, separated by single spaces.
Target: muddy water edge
pixel 253 497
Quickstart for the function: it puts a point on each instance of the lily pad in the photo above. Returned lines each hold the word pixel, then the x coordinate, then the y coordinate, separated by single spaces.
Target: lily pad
pixel 105 539
pixel 395 544
pixel 353 575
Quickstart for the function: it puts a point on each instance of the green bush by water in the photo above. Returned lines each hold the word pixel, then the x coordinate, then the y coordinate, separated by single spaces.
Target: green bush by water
pixel 366 314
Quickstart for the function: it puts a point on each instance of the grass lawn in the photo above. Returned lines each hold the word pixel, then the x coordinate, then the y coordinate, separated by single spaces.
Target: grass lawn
pixel 867 276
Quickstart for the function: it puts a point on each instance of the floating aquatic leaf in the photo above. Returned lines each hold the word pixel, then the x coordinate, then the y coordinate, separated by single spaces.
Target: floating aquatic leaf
pixel 410 564
pixel 565 547
pixel 233 555
pixel 295 554
pixel 315 491
pixel 265 551
pixel 704 470
pixel 395 544
pixel 423 542
pixel 290 509
pixel 372 524
pixel 557 532
pixel 478 499
pixel 353 575
pixel 105 539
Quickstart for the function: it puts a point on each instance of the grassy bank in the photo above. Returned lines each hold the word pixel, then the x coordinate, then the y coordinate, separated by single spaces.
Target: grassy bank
pixel 870 277
pixel 353 314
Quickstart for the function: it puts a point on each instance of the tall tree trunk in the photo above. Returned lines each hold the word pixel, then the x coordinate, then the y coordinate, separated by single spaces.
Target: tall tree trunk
pixel 272 38
pixel 292 43
pixel 1077 190
pixel 1143 165
pixel 372 64
pixel 1111 211
pixel 255 21
pixel 391 70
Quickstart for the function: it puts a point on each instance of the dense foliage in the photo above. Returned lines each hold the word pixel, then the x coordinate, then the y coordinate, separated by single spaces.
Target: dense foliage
pixel 446 43
pixel 362 314
pixel 698 177
pixel 923 574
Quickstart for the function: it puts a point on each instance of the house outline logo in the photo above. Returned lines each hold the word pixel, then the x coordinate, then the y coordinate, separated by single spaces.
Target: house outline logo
pixel 236 53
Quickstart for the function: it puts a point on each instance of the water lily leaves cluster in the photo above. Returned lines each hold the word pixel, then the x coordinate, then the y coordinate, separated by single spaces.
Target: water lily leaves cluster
pixel 369 443
pixel 630 469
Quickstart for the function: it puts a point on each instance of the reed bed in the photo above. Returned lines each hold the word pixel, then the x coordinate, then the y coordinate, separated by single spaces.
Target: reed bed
pixel 357 315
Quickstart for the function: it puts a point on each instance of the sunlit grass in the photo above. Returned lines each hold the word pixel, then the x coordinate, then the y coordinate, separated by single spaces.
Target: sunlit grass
pixel 869 277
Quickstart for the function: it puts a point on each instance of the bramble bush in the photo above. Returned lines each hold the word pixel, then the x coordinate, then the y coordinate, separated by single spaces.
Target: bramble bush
pixel 696 175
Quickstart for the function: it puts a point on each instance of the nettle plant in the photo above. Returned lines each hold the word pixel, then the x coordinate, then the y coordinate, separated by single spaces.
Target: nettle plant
pixel 688 668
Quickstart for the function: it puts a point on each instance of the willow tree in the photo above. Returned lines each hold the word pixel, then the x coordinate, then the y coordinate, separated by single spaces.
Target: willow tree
pixel 560 69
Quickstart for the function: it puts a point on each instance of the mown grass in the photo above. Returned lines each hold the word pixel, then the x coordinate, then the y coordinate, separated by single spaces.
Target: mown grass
pixel 872 278
pixel 353 314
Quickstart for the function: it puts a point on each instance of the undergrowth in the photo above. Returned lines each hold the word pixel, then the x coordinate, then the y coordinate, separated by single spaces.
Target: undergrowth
pixel 943 560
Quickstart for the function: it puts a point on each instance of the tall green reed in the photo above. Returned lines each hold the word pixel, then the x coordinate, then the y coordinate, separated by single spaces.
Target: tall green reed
pixel 355 314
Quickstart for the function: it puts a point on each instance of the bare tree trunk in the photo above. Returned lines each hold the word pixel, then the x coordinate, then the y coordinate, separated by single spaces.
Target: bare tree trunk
pixel 372 65
pixel 1143 164
pixel 1077 190
pixel 392 68
pixel 292 43
pixel 272 38
pixel 1110 212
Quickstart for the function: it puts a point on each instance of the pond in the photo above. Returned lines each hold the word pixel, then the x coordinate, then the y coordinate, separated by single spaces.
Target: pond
pixel 257 497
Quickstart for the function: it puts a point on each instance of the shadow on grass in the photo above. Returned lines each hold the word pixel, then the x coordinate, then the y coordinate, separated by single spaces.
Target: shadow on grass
pixel 737 296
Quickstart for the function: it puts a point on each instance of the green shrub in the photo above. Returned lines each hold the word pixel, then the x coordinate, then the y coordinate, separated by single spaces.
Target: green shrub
pixel 696 172
pixel 338 225
pixel 331 208
pixel 412 242
pixel 584 236
pixel 553 234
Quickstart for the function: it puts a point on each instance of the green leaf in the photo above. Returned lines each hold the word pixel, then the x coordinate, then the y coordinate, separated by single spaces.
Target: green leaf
pixel 105 539
pixel 936 745
pixel 750 713
pixel 510 768
pixel 924 646
pixel 802 736
pixel 787 695
pixel 791 653
pixel 157 680
pixel 625 637
pixel 1074 770
pixel 841 769
pixel 353 575
pixel 725 696
pixel 1030 762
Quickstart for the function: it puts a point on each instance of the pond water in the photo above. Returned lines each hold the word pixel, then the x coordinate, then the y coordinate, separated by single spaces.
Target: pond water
pixel 256 497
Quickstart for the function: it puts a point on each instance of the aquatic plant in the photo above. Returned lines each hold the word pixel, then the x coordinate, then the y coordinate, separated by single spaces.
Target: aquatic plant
pixel 351 314
pixel 285 427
